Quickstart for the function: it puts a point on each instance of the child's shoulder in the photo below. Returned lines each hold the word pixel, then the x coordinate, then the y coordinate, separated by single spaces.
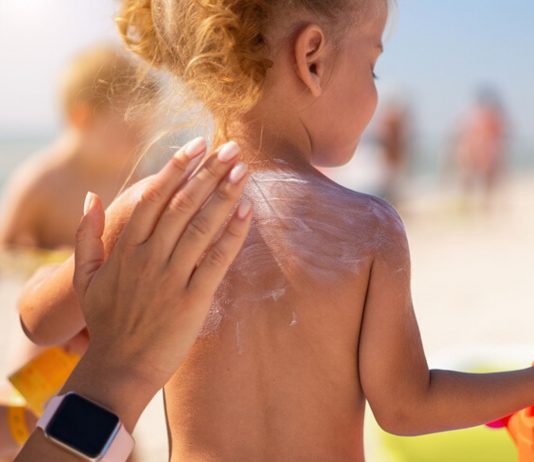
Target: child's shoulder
pixel 384 216
pixel 371 210
pixel 374 220
pixel 24 201
pixel 28 182
pixel 36 174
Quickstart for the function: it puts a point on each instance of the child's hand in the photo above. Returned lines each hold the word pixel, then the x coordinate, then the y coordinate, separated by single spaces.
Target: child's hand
pixel 145 305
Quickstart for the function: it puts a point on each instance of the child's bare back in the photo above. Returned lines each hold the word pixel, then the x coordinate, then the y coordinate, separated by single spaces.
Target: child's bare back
pixel 275 375
pixel 42 206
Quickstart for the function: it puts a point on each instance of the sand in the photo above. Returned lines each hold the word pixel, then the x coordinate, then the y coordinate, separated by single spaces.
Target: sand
pixel 473 280
pixel 473 271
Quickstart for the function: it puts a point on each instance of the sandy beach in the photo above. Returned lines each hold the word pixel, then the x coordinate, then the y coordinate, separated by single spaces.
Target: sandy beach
pixel 472 286
pixel 473 271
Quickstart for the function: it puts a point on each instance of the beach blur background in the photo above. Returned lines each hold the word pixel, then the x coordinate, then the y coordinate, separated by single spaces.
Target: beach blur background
pixel 472 250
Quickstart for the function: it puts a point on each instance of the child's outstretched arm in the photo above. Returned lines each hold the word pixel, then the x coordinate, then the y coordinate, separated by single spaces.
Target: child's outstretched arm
pixel 48 307
pixel 49 310
pixel 407 398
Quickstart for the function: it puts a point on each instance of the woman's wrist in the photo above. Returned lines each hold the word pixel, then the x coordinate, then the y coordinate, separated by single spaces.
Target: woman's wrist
pixel 112 383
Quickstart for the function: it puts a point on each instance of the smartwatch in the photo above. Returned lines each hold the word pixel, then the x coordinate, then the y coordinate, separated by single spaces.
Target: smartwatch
pixel 86 429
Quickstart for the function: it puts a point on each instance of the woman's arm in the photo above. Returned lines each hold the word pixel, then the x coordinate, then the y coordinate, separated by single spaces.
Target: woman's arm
pixel 142 326
pixel 101 383
pixel 405 396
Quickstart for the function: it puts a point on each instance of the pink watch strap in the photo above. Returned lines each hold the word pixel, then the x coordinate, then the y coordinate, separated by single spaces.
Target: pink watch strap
pixel 120 448
pixel 50 410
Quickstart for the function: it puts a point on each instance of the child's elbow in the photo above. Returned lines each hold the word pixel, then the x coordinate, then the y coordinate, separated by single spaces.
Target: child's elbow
pixel 27 323
pixel 400 422
pixel 35 335
pixel 29 333
pixel 398 428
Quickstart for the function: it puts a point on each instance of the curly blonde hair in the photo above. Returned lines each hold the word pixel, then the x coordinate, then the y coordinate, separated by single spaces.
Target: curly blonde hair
pixel 217 48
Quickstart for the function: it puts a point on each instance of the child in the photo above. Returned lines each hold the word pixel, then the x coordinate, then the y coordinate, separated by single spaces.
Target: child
pixel 315 317
pixel 96 151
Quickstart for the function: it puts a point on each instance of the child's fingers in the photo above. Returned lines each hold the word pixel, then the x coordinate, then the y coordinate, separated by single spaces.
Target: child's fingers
pixel 187 202
pixel 204 226
pixel 89 248
pixel 213 267
pixel 160 190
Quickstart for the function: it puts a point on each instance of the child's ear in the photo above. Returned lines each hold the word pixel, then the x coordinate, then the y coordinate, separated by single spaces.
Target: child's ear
pixel 310 55
pixel 80 116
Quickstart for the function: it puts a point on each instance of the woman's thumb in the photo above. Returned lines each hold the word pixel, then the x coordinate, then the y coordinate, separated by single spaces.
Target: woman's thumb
pixel 89 249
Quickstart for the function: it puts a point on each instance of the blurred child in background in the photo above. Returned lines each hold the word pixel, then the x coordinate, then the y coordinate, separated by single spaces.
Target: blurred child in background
pixel 393 135
pixel 95 152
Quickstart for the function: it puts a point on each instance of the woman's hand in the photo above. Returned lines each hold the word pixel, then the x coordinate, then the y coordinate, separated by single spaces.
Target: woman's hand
pixel 145 305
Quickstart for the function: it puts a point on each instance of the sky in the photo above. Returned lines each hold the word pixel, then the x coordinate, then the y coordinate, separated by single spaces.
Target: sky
pixel 437 53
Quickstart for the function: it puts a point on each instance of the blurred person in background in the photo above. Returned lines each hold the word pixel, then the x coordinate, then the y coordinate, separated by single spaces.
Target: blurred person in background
pixel 480 149
pixel 381 163
pixel 97 151
pixel 107 128
pixel 393 137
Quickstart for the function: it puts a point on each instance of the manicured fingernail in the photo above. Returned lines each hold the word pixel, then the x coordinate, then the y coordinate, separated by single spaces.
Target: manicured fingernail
pixel 228 152
pixel 88 203
pixel 237 173
pixel 195 147
pixel 244 209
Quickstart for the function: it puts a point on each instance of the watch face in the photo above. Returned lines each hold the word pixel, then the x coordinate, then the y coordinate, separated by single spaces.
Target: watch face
pixel 82 425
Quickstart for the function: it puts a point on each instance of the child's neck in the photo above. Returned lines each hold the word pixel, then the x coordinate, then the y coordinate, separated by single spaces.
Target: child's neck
pixel 273 144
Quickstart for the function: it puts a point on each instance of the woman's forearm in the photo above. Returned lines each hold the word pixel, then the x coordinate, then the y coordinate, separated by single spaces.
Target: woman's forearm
pixel 105 383
pixel 455 400
pixel 39 448
pixel 49 309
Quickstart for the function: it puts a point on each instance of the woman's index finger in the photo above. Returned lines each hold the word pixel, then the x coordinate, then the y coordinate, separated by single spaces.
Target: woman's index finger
pixel 161 189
